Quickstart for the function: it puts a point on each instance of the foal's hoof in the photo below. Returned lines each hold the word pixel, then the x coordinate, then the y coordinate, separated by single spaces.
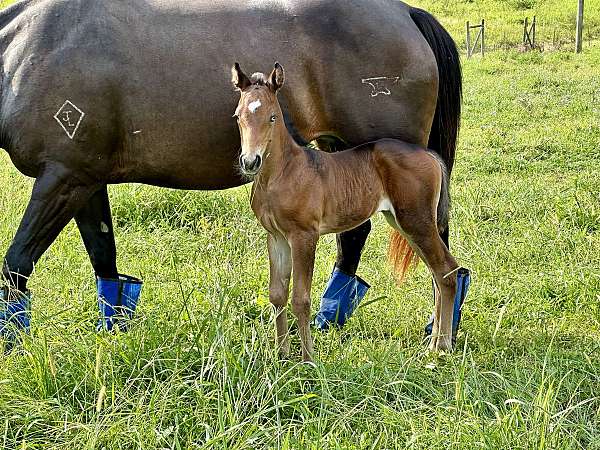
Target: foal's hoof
pixel 440 344
pixel 309 363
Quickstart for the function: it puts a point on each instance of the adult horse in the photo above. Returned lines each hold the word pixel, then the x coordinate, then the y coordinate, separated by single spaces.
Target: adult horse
pixel 96 93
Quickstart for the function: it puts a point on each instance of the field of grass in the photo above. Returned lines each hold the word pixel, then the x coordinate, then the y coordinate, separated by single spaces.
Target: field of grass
pixel 504 20
pixel 198 369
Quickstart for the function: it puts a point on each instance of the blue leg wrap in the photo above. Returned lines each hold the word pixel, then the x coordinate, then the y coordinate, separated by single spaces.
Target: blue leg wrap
pixel 463 281
pixel 340 299
pixel 15 314
pixel 117 300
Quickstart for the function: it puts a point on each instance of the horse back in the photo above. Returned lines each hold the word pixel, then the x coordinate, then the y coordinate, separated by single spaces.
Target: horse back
pixel 152 79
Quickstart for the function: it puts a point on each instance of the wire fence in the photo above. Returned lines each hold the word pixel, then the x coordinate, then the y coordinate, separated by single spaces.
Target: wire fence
pixel 531 33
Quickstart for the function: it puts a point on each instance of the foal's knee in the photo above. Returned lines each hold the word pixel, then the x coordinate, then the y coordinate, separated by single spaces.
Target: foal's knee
pixel 278 294
pixel 301 306
pixel 278 299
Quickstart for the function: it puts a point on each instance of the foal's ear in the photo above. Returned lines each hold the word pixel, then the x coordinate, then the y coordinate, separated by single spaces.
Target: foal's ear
pixel 277 78
pixel 239 78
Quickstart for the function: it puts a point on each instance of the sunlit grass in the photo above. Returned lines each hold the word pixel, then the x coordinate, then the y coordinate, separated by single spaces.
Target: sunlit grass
pixel 198 369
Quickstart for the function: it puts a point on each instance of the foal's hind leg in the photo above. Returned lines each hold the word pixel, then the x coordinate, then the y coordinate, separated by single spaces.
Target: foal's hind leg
pixel 95 225
pixel 57 195
pixel 280 262
pixel 426 241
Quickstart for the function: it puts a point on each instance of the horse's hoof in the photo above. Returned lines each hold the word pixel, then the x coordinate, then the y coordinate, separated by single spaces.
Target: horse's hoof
pixel 440 344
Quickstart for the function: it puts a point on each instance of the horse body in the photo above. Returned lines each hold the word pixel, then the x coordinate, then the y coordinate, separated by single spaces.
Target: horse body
pixel 149 76
pixel 103 92
pixel 300 194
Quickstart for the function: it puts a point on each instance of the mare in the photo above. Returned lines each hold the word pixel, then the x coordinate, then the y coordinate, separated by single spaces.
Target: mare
pixel 94 93
pixel 300 194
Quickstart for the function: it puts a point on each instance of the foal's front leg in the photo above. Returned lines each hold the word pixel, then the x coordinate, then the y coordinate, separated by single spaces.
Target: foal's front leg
pixel 280 262
pixel 304 246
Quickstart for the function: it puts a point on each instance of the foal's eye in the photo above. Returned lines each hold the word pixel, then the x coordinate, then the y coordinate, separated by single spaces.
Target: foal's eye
pixel 273 118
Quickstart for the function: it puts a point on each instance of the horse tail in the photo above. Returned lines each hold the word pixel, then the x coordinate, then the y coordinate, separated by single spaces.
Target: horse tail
pixel 443 206
pixel 446 121
pixel 401 256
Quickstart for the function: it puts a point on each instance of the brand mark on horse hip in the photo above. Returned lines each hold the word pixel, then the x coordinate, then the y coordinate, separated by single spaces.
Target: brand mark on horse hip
pixel 69 117
pixel 380 85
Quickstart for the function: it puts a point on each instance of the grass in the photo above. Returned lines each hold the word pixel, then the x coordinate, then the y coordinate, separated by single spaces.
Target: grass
pixel 504 20
pixel 198 369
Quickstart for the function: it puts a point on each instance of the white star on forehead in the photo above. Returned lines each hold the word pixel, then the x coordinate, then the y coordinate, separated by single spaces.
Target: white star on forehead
pixel 254 106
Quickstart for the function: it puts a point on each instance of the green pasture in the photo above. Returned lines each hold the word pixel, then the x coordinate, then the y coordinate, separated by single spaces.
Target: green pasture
pixel 198 369
pixel 504 20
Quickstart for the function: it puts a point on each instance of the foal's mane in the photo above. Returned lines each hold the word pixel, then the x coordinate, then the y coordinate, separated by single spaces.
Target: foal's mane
pixel 258 78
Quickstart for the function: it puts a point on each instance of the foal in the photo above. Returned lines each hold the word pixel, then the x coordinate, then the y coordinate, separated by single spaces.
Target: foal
pixel 300 194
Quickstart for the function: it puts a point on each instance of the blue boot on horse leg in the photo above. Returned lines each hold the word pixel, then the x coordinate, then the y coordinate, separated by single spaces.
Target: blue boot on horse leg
pixel 15 315
pixel 345 289
pixel 117 301
pixel 118 294
pixel 463 281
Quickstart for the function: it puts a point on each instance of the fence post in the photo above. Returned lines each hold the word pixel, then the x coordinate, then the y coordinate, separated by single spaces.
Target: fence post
pixel 468 40
pixel 579 27
pixel 483 36
pixel 533 33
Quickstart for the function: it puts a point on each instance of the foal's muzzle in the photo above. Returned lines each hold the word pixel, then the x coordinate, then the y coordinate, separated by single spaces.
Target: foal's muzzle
pixel 250 166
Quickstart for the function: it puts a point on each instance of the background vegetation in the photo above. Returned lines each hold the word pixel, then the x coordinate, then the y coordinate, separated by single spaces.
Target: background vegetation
pixel 198 370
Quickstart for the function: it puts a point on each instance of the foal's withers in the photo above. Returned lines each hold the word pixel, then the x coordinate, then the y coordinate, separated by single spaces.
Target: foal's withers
pixel 300 194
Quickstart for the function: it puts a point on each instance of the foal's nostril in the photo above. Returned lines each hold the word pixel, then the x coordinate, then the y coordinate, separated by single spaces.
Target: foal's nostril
pixel 250 166
pixel 257 163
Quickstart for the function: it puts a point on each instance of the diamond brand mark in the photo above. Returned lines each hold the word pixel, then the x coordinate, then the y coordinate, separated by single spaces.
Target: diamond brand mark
pixel 69 118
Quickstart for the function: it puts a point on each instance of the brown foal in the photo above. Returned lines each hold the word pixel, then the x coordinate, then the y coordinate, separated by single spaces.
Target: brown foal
pixel 300 194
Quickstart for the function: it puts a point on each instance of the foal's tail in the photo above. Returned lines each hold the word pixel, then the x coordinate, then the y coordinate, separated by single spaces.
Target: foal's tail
pixel 400 254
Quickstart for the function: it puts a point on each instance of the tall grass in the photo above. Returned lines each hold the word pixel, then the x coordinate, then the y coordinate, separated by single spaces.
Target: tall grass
pixel 198 369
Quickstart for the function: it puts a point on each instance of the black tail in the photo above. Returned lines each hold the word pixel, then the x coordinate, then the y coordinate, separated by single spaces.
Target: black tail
pixel 446 122
pixel 444 131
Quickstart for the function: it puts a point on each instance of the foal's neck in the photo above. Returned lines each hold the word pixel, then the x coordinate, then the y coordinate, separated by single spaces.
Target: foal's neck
pixel 283 150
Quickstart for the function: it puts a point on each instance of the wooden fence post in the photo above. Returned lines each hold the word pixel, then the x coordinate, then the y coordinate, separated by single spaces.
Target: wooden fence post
pixel 579 35
pixel 468 40
pixel 483 36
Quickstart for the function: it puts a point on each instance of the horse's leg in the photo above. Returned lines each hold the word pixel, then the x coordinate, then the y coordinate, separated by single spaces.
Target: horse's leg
pixel 350 245
pixel 95 225
pixel 57 195
pixel 344 289
pixel 304 246
pixel 118 294
pixel 280 263
pixel 426 241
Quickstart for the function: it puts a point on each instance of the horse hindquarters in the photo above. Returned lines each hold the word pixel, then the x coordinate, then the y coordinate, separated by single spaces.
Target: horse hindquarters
pixel 416 203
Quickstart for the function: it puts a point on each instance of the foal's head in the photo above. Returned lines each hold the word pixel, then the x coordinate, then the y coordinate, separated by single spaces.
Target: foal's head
pixel 257 114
